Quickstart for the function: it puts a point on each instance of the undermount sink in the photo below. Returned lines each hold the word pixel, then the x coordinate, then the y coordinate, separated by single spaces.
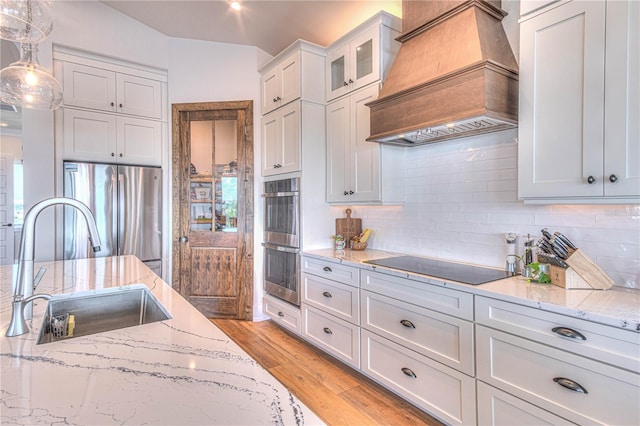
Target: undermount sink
pixel 106 310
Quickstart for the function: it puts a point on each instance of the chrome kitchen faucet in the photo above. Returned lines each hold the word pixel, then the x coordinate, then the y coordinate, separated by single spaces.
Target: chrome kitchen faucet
pixel 23 290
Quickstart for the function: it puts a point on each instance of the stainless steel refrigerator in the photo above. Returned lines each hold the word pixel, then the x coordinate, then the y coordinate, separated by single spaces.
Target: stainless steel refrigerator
pixel 127 204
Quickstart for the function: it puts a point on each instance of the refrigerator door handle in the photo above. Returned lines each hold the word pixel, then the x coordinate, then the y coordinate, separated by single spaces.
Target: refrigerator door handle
pixel 121 210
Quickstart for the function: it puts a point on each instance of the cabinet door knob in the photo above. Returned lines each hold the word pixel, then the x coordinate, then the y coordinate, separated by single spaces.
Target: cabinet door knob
pixel 350 81
pixel 344 83
pixel 407 323
pixel 275 100
pixel 409 372
pixel 613 178
pixel 327 269
pixel 346 193
pixel 121 105
pixel 280 314
pixel 591 180
pixel 113 104
pixel 327 330
pixel 570 384
pixel 350 192
pixel 113 154
pixel 278 98
pixel 567 332
pixel 327 294
pixel 121 155
pixel 183 239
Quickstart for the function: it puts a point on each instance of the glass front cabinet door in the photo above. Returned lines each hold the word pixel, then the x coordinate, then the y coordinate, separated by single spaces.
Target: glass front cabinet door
pixel 353 64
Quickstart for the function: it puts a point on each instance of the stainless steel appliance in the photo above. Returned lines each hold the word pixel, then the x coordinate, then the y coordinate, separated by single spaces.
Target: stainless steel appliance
pixel 449 271
pixel 127 204
pixel 282 239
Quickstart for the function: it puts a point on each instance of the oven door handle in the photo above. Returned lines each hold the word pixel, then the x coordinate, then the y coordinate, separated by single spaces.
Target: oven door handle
pixel 281 248
pixel 280 194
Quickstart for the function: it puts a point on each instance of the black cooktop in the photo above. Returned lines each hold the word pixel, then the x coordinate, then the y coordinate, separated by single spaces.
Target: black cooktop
pixel 449 271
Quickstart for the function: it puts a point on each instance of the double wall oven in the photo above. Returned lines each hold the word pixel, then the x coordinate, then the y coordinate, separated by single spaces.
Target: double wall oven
pixel 282 239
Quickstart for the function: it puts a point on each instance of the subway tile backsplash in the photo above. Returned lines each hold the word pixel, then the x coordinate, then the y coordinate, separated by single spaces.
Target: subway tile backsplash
pixel 461 197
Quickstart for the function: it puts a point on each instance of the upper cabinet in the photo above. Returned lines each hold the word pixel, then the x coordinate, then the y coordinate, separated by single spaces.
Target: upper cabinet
pixel 106 90
pixel 579 135
pixel 113 111
pixel 281 83
pixel 290 81
pixel 362 56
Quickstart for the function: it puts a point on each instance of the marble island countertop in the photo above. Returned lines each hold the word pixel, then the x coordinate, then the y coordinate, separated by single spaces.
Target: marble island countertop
pixel 618 307
pixel 179 371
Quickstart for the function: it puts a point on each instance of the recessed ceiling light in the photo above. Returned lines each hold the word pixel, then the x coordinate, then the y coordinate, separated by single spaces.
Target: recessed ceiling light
pixel 235 5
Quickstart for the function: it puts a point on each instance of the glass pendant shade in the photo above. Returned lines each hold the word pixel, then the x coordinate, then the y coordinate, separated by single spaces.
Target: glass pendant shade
pixel 25 21
pixel 27 84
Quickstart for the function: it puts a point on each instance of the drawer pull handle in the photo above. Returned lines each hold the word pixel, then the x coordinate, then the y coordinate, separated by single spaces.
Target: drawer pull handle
pixel 327 269
pixel 407 323
pixel 327 330
pixel 570 384
pixel 409 373
pixel 280 314
pixel 567 332
pixel 327 294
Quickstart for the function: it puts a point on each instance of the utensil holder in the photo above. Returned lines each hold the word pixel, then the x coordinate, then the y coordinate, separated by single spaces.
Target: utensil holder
pixel 582 273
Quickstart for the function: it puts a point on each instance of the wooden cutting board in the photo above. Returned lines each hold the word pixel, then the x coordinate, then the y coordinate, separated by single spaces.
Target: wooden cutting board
pixel 348 227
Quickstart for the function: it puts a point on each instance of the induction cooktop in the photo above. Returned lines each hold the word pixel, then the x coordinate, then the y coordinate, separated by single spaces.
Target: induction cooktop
pixel 448 271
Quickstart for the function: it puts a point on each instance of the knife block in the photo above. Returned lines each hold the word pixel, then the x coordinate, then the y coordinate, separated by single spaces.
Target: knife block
pixel 582 273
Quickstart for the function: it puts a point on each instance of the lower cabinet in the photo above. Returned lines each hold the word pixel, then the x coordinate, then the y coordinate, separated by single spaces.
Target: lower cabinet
pixel 576 388
pixel 337 337
pixel 283 313
pixel 441 391
pixel 498 408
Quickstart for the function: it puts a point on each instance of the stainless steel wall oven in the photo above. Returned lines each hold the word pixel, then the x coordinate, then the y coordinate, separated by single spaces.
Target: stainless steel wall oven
pixel 282 239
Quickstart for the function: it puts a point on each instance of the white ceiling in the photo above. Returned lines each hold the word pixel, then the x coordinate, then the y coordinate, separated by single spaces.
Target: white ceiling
pixel 269 25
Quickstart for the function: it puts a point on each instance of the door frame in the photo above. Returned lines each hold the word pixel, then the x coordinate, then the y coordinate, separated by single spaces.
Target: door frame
pixel 181 172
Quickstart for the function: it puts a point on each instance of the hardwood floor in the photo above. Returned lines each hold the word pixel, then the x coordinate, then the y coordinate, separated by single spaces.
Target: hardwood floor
pixel 336 393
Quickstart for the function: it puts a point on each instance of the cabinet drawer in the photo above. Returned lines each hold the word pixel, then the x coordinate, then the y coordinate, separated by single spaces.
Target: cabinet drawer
pixel 333 297
pixel 443 392
pixel 282 313
pixel 339 338
pixel 446 339
pixel 497 408
pixel 445 300
pixel 532 372
pixel 334 271
pixel 600 342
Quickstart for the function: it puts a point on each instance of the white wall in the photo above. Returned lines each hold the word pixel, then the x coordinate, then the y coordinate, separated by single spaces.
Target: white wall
pixel 462 198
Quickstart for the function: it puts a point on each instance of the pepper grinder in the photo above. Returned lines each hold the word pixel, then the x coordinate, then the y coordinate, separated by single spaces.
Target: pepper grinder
pixel 511 264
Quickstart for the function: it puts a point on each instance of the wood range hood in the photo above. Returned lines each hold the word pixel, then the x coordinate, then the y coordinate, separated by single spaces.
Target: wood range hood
pixel 454 76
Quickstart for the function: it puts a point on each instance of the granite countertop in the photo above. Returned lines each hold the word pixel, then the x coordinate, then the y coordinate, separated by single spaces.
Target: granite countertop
pixel 617 307
pixel 180 371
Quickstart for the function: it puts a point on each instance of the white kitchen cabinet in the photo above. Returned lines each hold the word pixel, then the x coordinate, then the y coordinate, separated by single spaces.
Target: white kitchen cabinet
pixel 579 125
pixel 331 308
pixel 99 137
pixel 498 408
pixel 281 84
pixel 578 389
pixel 362 56
pixel 281 142
pixel 292 106
pixel 107 90
pixel 443 392
pixel 282 313
pixel 355 167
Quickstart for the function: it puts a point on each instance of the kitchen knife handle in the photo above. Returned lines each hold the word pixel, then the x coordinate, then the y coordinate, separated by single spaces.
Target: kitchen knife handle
pixel 570 384
pixel 568 332
pixel 591 180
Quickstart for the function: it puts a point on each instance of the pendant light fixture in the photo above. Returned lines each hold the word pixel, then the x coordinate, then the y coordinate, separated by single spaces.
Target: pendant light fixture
pixel 25 21
pixel 27 84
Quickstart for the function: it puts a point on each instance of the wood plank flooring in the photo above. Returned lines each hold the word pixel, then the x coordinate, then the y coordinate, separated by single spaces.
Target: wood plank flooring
pixel 336 393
